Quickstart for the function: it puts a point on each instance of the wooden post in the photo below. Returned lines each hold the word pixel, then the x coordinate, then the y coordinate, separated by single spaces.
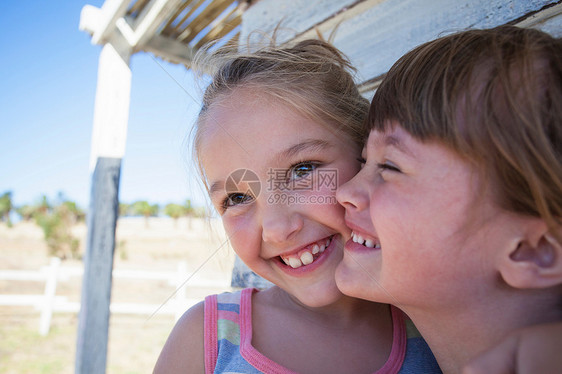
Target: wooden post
pixel 50 290
pixel 108 147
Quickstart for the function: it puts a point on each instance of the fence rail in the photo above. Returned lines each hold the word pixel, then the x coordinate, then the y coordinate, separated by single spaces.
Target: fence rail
pixel 48 302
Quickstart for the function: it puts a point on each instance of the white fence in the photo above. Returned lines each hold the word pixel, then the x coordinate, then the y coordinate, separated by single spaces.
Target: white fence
pixel 49 302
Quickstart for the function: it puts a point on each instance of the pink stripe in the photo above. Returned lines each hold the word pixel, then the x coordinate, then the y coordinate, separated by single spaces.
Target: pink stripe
pixel 399 340
pixel 228 315
pixel 210 344
pixel 255 358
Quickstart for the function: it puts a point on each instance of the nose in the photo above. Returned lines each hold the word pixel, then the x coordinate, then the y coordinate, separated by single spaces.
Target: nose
pixel 353 195
pixel 280 222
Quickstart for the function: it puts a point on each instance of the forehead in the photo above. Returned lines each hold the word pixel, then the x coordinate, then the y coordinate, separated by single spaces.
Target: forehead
pixel 394 137
pixel 249 124
pixel 254 113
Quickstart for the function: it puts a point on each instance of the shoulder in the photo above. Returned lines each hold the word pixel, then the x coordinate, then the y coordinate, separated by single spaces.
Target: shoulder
pixel 419 358
pixel 184 350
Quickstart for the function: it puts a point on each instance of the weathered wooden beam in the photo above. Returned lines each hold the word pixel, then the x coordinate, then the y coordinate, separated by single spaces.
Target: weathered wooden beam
pixel 375 33
pixel 110 12
pixel 108 147
pixel 152 18
pixel 93 326
pixel 205 18
pixel 175 30
pixel 170 50
pixel 548 20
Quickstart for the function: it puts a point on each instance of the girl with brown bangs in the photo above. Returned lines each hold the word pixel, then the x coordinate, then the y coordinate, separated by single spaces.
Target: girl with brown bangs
pixel 461 192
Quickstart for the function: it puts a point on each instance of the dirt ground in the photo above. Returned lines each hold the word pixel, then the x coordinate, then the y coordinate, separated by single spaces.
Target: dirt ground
pixel 134 340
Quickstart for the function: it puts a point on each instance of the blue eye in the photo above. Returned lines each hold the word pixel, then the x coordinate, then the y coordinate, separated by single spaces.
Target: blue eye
pixel 234 199
pixel 302 169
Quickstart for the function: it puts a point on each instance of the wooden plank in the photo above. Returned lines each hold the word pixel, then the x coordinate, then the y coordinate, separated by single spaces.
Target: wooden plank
pixel 294 16
pixel 108 147
pixel 548 20
pixel 137 8
pixel 93 326
pixel 204 19
pixel 170 50
pixel 150 20
pixel 111 11
pixel 178 29
pixel 375 33
pixel 395 27
pixel 220 30
pixel 176 14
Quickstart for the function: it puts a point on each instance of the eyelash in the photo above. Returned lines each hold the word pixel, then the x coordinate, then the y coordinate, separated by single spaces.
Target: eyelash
pixel 227 202
pixel 381 166
pixel 314 166
pixel 388 167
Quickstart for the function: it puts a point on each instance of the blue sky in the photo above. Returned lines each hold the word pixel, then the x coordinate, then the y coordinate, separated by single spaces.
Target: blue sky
pixel 48 71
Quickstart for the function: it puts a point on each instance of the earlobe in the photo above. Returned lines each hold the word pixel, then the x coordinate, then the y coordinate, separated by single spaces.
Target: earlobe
pixel 534 263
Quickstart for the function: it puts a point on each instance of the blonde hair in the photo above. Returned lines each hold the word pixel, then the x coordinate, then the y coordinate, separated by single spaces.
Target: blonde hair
pixel 311 77
pixel 495 97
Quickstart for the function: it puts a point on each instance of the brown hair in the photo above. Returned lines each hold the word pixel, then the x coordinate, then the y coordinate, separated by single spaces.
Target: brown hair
pixel 312 77
pixel 495 97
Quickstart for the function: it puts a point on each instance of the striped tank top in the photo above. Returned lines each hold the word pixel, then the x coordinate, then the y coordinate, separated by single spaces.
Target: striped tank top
pixel 228 337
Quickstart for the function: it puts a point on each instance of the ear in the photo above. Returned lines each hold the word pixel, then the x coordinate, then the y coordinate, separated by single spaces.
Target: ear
pixel 536 259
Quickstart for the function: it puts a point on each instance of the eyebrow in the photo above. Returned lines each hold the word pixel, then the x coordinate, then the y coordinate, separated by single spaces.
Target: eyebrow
pixel 292 151
pixel 216 187
pixel 393 141
pixel 309 145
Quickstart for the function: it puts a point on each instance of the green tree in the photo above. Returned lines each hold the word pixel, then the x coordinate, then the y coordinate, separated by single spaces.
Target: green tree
pixel 56 222
pixel 124 209
pixel 74 213
pixel 6 207
pixel 189 212
pixel 174 211
pixel 144 208
pixel 26 212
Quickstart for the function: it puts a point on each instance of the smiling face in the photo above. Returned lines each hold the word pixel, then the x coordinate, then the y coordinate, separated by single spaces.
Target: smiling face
pixel 434 233
pixel 288 228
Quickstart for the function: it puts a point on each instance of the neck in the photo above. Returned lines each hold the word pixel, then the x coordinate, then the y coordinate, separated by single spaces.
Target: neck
pixel 344 311
pixel 458 335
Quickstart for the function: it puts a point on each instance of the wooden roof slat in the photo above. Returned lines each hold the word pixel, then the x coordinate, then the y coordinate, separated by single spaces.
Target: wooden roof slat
pixel 176 14
pixel 220 30
pixel 176 29
pixel 208 15
pixel 137 7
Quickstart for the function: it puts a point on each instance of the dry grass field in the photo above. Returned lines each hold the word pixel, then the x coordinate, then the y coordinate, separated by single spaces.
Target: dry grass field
pixel 135 340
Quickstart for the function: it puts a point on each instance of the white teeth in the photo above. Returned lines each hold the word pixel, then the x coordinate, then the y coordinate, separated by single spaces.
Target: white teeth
pixel 357 238
pixel 307 258
pixel 295 262
pixel 315 249
pixel 366 242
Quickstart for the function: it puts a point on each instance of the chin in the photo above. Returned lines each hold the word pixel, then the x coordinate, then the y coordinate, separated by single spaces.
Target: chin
pixel 348 283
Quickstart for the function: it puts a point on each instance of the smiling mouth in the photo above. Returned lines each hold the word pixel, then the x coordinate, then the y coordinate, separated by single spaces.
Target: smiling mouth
pixel 369 243
pixel 307 255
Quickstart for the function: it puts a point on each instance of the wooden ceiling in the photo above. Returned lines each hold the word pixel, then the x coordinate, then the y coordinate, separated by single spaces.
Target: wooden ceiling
pixel 171 29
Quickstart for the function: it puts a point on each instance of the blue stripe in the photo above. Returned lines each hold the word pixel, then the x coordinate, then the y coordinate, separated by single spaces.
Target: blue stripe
pixel 229 307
